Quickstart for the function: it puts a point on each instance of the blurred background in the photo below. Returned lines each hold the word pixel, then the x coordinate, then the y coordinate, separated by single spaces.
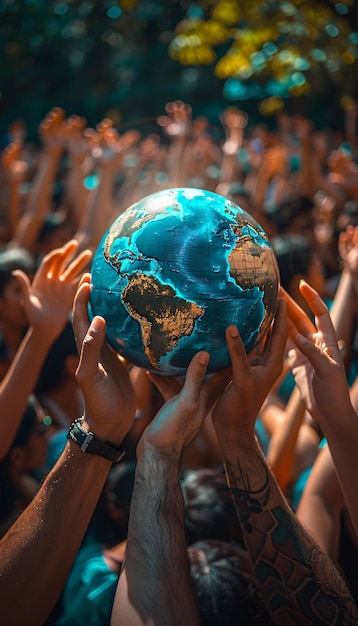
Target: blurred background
pixel 126 59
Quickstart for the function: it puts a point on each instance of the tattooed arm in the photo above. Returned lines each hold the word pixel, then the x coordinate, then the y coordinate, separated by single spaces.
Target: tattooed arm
pixel 299 582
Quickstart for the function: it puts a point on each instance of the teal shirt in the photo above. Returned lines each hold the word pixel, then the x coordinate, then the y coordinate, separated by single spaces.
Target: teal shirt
pixel 90 589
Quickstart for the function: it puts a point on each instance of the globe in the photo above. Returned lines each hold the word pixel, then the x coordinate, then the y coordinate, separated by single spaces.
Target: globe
pixel 174 270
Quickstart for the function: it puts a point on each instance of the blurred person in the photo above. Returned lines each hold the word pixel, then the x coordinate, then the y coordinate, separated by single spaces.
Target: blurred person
pixel 24 465
pixel 50 530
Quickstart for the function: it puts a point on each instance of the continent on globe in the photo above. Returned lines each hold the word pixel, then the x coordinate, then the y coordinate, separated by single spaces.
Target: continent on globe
pixel 162 328
pixel 174 270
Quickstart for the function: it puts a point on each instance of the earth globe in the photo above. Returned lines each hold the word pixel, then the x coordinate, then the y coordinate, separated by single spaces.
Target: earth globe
pixel 174 270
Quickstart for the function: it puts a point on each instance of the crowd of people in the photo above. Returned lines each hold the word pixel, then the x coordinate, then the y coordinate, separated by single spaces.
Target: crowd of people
pixel 130 498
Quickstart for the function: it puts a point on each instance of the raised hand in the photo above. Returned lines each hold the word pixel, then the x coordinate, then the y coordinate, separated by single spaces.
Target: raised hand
pixel 48 300
pixel 235 413
pixel 317 364
pixel 13 163
pixel 103 377
pixel 348 249
pixel 177 122
pixel 51 131
pixel 181 417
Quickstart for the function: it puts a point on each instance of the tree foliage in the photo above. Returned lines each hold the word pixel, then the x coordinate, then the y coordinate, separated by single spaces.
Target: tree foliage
pixel 127 58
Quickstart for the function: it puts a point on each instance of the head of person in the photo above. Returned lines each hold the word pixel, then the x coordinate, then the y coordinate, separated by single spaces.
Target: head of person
pixel 110 520
pixel 297 259
pixel 209 511
pixel 29 447
pixel 55 232
pixel 225 585
pixel 26 456
pixel 11 310
pixel 295 215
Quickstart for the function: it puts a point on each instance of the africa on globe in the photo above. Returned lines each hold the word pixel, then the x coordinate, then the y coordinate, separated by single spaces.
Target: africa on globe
pixel 176 269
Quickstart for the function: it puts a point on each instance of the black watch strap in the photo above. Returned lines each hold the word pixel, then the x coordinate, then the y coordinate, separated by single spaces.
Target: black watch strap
pixel 88 442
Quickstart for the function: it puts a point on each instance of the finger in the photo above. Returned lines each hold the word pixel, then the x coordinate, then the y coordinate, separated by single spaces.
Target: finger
pixel 87 370
pixel 195 375
pixel 276 345
pixel 80 321
pixel 297 315
pixel 319 358
pixel 77 266
pixel 238 356
pixel 55 260
pixel 25 285
pixel 319 309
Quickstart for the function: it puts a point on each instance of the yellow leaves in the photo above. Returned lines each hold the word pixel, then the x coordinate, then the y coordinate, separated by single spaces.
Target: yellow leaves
pixel 194 41
pixel 270 106
pixel 187 54
pixel 278 41
pixel 233 64
pixel 208 32
pixel 228 12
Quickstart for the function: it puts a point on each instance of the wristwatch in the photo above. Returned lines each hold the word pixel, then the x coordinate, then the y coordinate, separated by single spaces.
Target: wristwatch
pixel 88 442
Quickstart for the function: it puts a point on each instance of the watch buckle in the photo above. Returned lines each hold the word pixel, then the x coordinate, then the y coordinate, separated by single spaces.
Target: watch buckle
pixel 87 440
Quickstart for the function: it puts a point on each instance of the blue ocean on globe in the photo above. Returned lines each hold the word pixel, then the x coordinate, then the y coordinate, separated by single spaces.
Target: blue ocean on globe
pixel 177 268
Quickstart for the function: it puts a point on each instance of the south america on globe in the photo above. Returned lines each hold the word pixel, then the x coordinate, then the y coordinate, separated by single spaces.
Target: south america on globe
pixel 176 269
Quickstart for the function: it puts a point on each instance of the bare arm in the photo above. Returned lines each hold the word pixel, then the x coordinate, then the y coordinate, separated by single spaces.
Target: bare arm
pixel 155 586
pixel 38 550
pixel 299 582
pixel 321 504
pixel 47 302
pixel 31 221
pixel 319 372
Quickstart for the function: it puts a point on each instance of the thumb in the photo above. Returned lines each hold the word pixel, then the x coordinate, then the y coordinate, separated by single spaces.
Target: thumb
pixel 25 285
pixel 195 375
pixel 87 369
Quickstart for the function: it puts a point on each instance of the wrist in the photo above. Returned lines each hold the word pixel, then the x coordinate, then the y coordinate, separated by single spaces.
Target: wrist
pixel 89 442
pixel 103 429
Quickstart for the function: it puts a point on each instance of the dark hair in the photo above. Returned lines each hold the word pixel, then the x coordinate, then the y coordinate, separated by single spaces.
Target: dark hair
pixel 51 223
pixel 8 488
pixel 14 259
pixel 118 492
pixel 226 586
pixel 294 256
pixel 283 214
pixel 209 512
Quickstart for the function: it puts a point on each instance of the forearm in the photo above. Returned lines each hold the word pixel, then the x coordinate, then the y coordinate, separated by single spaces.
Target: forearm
pixel 299 582
pixel 37 207
pixel 19 383
pixel 98 213
pixel 281 452
pixel 342 436
pixel 156 563
pixel 38 551
pixel 342 311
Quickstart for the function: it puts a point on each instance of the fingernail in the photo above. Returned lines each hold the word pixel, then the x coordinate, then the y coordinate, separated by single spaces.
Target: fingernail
pixel 96 324
pixel 204 359
pixel 233 332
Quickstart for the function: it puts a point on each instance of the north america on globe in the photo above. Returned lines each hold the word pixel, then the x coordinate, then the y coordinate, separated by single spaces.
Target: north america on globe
pixel 174 270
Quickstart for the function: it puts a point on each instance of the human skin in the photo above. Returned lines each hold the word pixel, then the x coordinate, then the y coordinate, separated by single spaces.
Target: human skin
pixel 39 549
pixel 299 582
